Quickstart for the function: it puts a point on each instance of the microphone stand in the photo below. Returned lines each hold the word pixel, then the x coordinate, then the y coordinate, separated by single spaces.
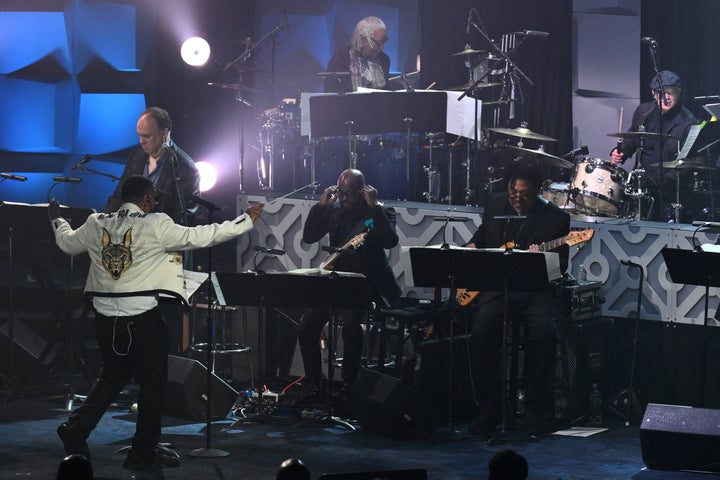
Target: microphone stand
pixel 653 51
pixel 178 190
pixel 86 169
pixel 208 451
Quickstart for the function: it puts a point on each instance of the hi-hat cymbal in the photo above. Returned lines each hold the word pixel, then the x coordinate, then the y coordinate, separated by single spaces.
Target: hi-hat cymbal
pixel 233 86
pixel 650 135
pixel 479 85
pixel 537 156
pixel 522 132
pixel 467 51
pixel 685 164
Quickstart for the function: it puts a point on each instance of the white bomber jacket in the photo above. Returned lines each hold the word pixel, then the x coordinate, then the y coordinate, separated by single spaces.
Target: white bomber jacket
pixel 134 253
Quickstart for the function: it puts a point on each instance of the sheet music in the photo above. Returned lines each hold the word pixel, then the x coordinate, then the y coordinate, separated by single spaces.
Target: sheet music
pixel 193 281
pixel 692 136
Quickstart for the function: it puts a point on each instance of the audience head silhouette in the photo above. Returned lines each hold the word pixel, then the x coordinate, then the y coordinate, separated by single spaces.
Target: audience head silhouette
pixel 75 467
pixel 507 465
pixel 293 469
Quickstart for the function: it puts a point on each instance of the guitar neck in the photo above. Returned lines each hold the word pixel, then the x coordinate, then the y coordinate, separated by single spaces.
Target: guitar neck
pixel 552 244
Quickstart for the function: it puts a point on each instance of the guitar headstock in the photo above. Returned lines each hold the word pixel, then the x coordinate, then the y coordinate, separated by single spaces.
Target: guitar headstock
pixel 579 236
pixel 356 241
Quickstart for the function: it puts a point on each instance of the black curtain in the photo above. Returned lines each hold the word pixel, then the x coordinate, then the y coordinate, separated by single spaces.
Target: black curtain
pixel 688 35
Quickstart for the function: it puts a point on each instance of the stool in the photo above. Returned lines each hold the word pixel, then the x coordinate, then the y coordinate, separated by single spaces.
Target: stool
pixel 222 342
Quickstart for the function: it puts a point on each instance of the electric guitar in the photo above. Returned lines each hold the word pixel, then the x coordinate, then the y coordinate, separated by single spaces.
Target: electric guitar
pixel 464 296
pixel 353 243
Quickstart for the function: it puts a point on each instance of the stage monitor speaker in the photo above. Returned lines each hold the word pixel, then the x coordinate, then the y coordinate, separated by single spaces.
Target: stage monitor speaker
pixel 674 437
pixel 384 405
pixel 32 353
pixel 186 392
pixel 409 474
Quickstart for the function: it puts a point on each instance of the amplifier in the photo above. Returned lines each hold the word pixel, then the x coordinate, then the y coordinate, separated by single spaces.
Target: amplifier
pixel 581 301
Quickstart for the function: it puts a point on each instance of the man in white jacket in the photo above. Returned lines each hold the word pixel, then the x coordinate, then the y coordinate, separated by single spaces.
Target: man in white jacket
pixel 133 260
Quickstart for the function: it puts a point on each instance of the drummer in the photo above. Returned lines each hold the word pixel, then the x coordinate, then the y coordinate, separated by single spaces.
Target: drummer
pixel 661 115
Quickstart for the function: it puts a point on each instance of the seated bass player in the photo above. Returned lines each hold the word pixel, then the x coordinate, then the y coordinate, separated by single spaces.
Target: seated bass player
pixel 523 219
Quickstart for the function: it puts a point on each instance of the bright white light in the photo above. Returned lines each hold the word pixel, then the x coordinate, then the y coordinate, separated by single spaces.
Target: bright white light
pixel 195 51
pixel 208 175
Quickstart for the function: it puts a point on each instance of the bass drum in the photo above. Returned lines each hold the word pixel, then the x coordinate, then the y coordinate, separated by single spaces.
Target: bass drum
pixel 599 187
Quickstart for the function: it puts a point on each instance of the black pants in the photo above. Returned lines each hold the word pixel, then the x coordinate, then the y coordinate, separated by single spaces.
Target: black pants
pixel 309 339
pixel 536 314
pixel 130 347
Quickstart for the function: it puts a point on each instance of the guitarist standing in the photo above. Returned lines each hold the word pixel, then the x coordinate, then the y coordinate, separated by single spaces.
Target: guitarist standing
pixel 539 221
pixel 347 211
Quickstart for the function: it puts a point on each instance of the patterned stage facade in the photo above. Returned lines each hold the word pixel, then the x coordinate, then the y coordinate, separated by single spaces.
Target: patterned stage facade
pixel 422 224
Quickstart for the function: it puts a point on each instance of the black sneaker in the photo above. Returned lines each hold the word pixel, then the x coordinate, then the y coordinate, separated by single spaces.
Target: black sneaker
pixel 73 440
pixel 162 458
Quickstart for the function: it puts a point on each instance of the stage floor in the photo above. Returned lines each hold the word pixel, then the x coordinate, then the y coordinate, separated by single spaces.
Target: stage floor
pixel 30 448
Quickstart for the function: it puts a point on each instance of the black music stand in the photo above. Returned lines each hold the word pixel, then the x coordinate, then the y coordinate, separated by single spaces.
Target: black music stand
pixel 314 288
pixel 694 268
pixel 462 268
pixel 30 239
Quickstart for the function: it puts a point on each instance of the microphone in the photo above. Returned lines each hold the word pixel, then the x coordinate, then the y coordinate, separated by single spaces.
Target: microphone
pixel 333 74
pixel 271 251
pixel 535 33
pixel 82 161
pixel 578 151
pixel 700 223
pixel 205 203
pixel 451 219
pixel 67 179
pixel 467 24
pixel 509 217
pixel 10 176
pixel 649 41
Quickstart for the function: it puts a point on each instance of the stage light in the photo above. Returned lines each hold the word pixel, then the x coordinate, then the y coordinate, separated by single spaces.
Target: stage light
pixel 208 175
pixel 195 51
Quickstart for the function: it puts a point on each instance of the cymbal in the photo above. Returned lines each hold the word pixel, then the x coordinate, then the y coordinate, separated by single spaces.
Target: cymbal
pixel 467 51
pixel 657 136
pixel 522 132
pixel 685 164
pixel 233 86
pixel 538 156
pixel 479 85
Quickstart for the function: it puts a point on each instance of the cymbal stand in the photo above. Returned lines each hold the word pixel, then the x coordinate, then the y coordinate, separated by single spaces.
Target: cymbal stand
pixel 432 193
pixel 12 378
pixel 677 206
pixel 352 145
pixel 638 193
pixel 409 190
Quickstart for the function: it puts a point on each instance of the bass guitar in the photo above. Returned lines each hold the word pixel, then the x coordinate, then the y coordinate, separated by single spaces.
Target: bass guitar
pixel 465 296
pixel 353 243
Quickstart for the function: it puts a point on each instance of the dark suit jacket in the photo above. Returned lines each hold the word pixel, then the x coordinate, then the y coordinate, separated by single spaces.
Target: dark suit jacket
pixel 676 123
pixel 166 188
pixel 370 258
pixel 546 222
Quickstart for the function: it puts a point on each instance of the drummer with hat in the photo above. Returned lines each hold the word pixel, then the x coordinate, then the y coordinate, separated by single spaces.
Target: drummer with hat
pixel 664 114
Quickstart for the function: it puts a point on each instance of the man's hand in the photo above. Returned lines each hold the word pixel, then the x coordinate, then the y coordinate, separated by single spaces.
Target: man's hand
pixel 616 158
pixel 53 210
pixel 370 195
pixel 254 211
pixel 328 196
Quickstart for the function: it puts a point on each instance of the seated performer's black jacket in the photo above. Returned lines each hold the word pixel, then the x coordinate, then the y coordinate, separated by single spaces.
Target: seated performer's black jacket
pixel 370 258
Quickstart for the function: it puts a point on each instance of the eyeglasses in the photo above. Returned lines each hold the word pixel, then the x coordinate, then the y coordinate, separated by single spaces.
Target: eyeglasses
pixel 377 44
pixel 520 193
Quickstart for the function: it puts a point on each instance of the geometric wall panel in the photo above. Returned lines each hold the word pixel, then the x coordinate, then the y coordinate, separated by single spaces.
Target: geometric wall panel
pixel 615 240
pixel 107 121
pixel 27 37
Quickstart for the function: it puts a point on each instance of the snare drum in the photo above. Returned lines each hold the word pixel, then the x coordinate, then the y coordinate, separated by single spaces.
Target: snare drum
pixel 557 193
pixel 599 187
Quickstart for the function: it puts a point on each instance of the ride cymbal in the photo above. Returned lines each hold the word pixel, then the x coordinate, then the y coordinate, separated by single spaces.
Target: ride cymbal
pixel 685 164
pixel 523 132
pixel 537 156
pixel 657 136
pixel 467 51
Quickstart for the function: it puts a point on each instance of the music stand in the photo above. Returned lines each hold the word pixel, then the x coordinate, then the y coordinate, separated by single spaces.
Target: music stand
pixel 456 267
pixel 304 289
pixel 694 268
